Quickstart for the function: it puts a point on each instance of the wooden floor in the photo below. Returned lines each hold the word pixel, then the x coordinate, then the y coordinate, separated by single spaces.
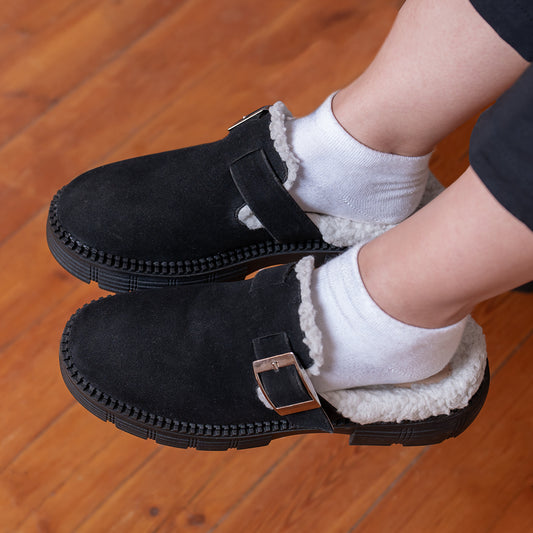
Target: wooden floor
pixel 84 83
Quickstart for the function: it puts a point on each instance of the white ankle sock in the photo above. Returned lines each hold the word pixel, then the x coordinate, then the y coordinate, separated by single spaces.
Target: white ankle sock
pixel 362 344
pixel 341 177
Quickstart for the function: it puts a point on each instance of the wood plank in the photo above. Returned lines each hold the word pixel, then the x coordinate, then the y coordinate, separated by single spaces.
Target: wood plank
pixel 169 481
pixel 115 102
pixel 21 484
pixel 29 376
pixel 517 517
pixel 90 484
pixel 228 487
pixel 201 115
pixel 35 76
pixel 467 484
pixel 31 280
pixel 506 321
pixel 321 486
pixel 183 82
pixel 10 12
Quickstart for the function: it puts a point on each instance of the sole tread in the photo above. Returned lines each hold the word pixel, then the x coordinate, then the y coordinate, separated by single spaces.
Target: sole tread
pixel 115 279
pixel 420 433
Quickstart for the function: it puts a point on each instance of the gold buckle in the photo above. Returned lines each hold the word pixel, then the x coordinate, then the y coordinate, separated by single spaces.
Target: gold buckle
pixel 276 362
pixel 250 115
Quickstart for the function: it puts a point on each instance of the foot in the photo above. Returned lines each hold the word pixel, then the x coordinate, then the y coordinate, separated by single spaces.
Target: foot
pixel 339 176
pixel 363 345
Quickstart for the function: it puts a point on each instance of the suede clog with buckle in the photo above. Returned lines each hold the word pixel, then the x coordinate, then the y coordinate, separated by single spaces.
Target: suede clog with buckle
pixel 211 212
pixel 227 365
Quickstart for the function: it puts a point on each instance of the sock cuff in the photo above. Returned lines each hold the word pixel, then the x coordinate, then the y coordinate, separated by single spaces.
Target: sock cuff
pixel 353 288
pixel 335 137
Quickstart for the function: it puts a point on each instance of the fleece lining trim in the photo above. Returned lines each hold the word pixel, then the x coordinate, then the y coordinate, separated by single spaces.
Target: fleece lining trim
pixel 397 403
pixel 306 311
pixel 278 133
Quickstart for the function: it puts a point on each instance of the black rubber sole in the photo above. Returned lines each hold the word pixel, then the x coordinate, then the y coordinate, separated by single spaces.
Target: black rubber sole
pixel 115 274
pixel 240 436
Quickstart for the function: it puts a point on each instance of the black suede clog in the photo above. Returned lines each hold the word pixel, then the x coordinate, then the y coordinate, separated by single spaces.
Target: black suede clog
pixel 178 217
pixel 227 365
pixel 213 212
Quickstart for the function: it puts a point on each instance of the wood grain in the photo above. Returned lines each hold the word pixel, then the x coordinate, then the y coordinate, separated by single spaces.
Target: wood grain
pixel 84 83
pixel 469 483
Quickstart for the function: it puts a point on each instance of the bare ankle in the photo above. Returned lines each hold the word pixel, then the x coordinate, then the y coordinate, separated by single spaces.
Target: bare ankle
pixel 399 294
pixel 378 127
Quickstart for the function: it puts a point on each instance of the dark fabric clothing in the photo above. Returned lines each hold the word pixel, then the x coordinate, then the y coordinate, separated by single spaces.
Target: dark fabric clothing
pixel 512 20
pixel 501 149
pixel 501 146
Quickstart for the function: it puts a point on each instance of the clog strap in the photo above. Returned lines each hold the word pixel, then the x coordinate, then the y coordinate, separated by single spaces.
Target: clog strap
pixel 264 193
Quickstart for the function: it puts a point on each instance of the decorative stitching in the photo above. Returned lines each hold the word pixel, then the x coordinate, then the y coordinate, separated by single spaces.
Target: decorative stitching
pixel 156 421
pixel 174 268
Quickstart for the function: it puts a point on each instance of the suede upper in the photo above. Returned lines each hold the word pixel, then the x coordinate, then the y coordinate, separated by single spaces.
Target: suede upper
pixel 186 353
pixel 173 206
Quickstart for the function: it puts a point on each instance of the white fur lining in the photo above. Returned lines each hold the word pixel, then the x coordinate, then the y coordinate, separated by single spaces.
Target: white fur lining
pixel 306 311
pixel 263 399
pixel 344 232
pixel 396 403
pixel 278 133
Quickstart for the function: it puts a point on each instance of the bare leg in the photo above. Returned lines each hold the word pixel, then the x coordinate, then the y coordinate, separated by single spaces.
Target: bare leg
pixel 461 249
pixel 440 64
